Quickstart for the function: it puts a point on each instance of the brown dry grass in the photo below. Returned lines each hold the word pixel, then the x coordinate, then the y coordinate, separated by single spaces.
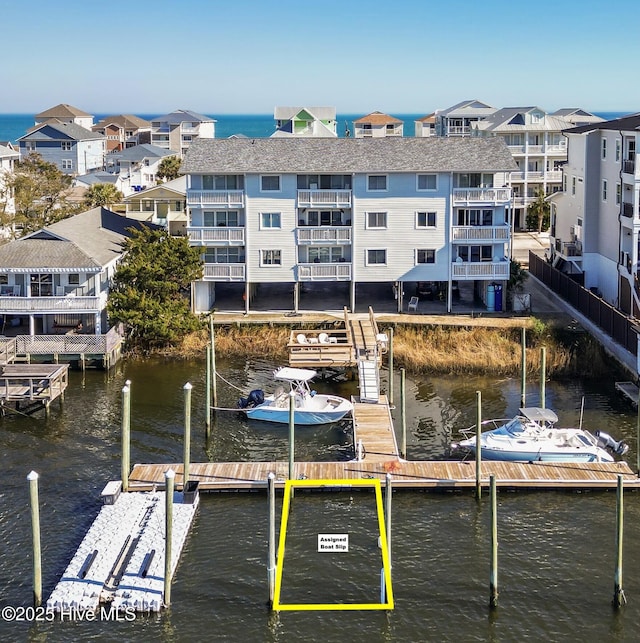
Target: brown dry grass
pixel 430 349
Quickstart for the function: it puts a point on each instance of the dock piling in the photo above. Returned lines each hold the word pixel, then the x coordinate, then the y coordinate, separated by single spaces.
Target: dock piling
pixel 391 372
pixel 271 562
pixel 214 380
pixel 292 407
pixel 543 376
pixel 523 368
pixel 493 582
pixel 187 434
pixel 207 415
pixel 388 493
pixel 619 598
pixel 169 477
pixel 35 528
pixel 403 413
pixel 126 430
pixel 478 445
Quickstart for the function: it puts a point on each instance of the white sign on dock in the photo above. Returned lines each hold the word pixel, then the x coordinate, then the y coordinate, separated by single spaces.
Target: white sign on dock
pixel 333 542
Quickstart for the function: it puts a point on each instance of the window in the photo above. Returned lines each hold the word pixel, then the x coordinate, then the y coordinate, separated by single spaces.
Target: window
pixel 564 182
pixel 618 193
pixel 573 185
pixel 270 183
pixel 427 182
pixel 4 278
pixel 604 149
pixel 221 219
pixel 425 219
pixel 376 257
pixel 376 182
pixel 618 150
pixel 604 189
pixel 66 146
pixel 67 164
pixel 271 258
pixel 224 255
pixel 474 217
pixel 425 256
pixel 475 180
pixel 74 279
pixel 41 285
pixel 331 254
pixel 222 182
pixel 376 219
pixel 270 220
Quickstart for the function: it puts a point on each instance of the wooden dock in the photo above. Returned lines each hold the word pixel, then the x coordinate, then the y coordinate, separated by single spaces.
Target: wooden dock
pixel 373 428
pixel 30 384
pixel 629 391
pixel 338 347
pixel 420 475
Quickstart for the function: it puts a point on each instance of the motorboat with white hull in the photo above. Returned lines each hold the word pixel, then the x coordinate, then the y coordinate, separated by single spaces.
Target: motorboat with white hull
pixel 531 436
pixel 309 407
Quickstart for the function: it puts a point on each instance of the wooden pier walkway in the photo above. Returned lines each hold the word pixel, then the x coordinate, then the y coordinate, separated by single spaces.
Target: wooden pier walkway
pixel 425 475
pixel 373 427
pixel 33 383
pixel 629 391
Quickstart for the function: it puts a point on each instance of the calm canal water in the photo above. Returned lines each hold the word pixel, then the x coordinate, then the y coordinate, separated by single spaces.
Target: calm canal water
pixel 556 550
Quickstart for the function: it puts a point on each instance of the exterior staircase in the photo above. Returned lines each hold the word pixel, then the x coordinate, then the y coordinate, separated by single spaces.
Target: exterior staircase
pixel 369 379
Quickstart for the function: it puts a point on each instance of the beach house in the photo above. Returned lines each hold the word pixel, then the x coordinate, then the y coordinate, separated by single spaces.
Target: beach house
pixel 349 212
pixel 305 121
pixel 123 131
pixel 595 220
pixel 177 130
pixel 377 125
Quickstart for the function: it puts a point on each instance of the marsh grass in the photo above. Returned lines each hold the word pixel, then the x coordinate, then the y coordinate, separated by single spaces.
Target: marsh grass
pixel 432 349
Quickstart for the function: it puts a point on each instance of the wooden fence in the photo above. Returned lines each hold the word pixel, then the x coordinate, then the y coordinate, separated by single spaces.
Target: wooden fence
pixel 620 327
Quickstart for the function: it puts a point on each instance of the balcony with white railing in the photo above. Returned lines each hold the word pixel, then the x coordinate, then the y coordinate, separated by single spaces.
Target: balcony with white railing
pixel 516 149
pixel 481 233
pixel 325 235
pixel 324 198
pixel 223 272
pixel 486 196
pixel 458 130
pixel 49 305
pixel 470 270
pixel 535 149
pixel 340 271
pixel 218 236
pixel 218 198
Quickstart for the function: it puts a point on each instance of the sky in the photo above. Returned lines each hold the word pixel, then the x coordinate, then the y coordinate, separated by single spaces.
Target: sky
pixel 247 56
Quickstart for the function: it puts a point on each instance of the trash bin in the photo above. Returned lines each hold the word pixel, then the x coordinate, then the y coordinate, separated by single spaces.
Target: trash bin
pixel 190 492
pixel 491 298
pixel 498 297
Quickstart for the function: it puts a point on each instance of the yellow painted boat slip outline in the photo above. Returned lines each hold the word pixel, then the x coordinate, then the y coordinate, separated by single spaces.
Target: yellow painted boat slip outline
pixel 386 568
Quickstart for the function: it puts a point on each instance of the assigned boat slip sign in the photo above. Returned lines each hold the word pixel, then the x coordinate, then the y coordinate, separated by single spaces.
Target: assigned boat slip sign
pixel 333 542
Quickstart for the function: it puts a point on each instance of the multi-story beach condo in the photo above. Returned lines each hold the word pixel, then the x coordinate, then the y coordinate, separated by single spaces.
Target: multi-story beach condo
pixel 595 220
pixel 176 131
pixel 64 113
pixel 457 120
pixel 123 131
pixel 378 125
pixel 538 147
pixel 305 121
pixel 387 212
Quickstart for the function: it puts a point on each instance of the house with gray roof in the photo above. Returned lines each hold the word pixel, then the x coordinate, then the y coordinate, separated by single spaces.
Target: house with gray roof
pixel 595 229
pixel 57 279
pixel 177 130
pixel 71 147
pixel 137 166
pixel 348 212
pixel 539 149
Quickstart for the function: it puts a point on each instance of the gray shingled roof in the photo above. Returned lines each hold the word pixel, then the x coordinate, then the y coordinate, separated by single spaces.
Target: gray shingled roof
pixel 143 151
pixel 347 155
pixel 181 116
pixel 626 123
pixel 500 121
pixel 85 241
pixel 66 130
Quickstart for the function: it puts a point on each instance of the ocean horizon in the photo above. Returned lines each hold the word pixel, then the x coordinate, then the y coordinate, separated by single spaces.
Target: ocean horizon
pixel 15 125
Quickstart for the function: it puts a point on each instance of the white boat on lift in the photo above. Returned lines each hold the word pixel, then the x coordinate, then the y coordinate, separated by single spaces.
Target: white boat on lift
pixel 532 436
pixel 309 407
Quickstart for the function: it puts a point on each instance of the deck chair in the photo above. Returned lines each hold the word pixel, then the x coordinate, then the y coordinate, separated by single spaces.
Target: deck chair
pixel 413 304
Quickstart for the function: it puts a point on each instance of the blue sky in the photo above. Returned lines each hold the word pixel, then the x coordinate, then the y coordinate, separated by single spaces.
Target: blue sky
pixel 245 57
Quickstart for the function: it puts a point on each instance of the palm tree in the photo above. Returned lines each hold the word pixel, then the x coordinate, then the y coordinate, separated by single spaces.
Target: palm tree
pixel 539 212
pixel 102 194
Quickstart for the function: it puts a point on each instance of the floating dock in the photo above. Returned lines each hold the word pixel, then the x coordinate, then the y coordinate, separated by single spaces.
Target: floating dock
pixel 120 562
pixel 629 391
